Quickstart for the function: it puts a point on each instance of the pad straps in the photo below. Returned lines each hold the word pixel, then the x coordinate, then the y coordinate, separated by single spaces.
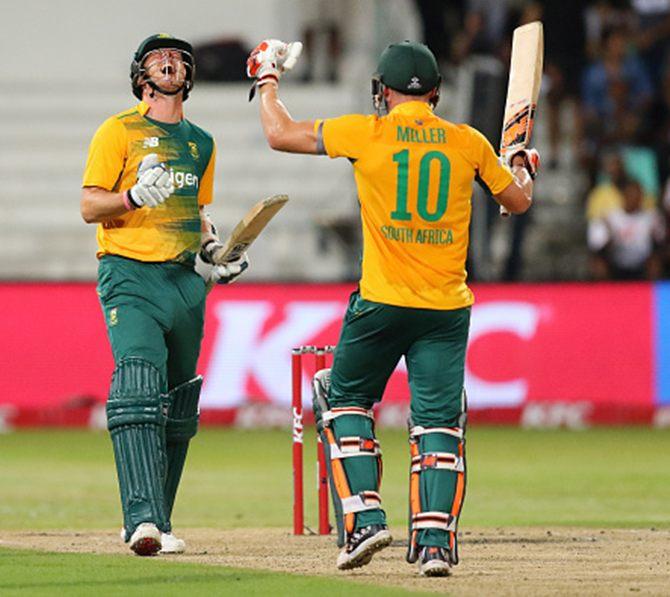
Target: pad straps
pixel 434 460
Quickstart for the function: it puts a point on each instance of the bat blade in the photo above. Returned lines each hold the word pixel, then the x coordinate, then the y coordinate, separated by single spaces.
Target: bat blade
pixel 523 89
pixel 248 229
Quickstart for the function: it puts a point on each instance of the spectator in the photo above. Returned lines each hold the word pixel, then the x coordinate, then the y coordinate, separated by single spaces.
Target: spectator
pixel 625 242
pixel 653 35
pixel 601 16
pixel 607 195
pixel 659 126
pixel 616 93
pixel 665 249
pixel 472 39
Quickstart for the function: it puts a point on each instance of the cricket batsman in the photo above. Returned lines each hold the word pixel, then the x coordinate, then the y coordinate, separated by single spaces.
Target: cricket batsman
pixel 414 174
pixel 148 177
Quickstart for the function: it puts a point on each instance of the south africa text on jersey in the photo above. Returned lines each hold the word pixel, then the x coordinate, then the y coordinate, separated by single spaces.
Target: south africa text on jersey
pixel 422 236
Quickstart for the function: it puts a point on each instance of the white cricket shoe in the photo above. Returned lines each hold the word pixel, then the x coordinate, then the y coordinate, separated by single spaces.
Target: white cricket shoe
pixel 146 540
pixel 362 545
pixel 172 544
pixel 434 561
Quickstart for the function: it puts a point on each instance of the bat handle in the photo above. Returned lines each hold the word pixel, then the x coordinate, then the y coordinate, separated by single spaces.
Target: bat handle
pixel 504 213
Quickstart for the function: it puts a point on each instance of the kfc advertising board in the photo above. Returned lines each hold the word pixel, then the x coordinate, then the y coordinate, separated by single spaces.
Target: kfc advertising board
pixel 598 352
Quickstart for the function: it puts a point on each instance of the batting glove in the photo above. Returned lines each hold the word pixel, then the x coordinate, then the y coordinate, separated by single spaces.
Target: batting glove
pixel 531 160
pixel 220 274
pixel 269 59
pixel 154 184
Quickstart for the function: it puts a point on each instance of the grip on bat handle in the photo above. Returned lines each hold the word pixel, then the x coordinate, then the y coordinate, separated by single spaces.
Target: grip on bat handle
pixel 210 250
pixel 504 213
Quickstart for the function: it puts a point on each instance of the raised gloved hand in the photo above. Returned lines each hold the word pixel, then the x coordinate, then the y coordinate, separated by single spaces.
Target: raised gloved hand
pixel 527 158
pixel 269 59
pixel 220 274
pixel 154 184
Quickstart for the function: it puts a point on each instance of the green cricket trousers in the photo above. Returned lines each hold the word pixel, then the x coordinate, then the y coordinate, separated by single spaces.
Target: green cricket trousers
pixel 373 339
pixel 154 313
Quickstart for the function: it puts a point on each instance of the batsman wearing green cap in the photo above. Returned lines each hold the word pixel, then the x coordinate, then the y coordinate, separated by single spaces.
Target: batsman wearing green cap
pixel 414 173
pixel 148 177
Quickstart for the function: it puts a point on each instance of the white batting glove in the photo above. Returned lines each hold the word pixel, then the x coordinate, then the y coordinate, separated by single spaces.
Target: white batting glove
pixel 530 157
pixel 154 184
pixel 269 59
pixel 221 274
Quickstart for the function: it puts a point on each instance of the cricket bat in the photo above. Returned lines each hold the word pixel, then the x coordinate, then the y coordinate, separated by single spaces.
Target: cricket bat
pixel 523 89
pixel 248 229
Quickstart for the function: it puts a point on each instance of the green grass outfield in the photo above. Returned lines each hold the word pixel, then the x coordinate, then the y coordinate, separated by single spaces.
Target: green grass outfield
pixel 66 480
pixel 25 572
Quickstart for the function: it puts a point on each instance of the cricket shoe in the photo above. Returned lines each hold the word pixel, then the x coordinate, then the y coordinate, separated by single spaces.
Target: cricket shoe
pixel 434 561
pixel 146 540
pixel 362 545
pixel 172 544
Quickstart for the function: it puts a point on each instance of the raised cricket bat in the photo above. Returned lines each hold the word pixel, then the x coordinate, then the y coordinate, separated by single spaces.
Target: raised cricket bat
pixel 523 89
pixel 248 229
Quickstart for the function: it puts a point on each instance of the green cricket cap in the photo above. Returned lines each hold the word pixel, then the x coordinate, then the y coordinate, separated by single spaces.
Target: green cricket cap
pixel 160 41
pixel 409 67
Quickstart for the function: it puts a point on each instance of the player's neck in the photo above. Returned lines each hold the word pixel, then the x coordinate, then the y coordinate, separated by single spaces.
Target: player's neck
pixel 164 108
pixel 403 99
pixel 395 98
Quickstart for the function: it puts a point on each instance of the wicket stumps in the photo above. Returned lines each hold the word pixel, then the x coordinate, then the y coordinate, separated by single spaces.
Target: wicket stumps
pixel 297 363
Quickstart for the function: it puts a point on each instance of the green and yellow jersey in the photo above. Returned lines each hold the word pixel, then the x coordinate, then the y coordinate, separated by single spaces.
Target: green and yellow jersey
pixel 414 174
pixel 171 231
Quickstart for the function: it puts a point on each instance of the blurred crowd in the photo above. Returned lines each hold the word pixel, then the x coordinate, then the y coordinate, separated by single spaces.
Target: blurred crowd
pixel 607 95
pixel 605 100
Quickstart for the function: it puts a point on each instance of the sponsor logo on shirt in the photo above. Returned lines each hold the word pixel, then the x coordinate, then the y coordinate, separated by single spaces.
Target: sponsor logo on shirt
pixel 183 179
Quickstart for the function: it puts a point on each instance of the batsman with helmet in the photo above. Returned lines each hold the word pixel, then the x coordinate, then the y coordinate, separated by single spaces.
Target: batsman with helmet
pixel 148 177
pixel 414 173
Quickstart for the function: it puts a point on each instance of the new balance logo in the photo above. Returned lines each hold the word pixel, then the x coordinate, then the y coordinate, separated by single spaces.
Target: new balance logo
pixel 150 142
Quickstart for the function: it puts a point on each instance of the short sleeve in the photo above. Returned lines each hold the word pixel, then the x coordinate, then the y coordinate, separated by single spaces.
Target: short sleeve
pixel 345 136
pixel 206 188
pixel 496 176
pixel 107 156
pixel 597 235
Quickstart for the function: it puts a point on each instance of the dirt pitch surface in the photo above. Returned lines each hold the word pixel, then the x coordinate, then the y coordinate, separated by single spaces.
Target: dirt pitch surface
pixel 509 561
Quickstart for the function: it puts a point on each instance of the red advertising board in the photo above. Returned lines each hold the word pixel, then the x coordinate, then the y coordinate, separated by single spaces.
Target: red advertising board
pixel 589 346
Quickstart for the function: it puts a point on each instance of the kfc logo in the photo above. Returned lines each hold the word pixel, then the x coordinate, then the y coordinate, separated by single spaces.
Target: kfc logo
pixel 241 351
pixel 517 318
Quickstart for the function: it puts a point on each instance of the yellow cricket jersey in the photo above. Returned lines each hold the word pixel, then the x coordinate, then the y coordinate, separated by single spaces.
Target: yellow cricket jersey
pixel 414 174
pixel 171 231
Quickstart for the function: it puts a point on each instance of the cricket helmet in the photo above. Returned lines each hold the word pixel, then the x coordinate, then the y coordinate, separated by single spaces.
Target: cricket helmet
pixel 408 67
pixel 158 42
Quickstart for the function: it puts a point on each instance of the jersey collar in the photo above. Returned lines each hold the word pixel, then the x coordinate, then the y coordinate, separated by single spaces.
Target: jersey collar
pixel 142 108
pixel 413 108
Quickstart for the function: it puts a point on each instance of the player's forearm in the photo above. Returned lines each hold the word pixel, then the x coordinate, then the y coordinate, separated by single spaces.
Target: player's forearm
pixel 517 197
pixel 275 118
pixel 281 131
pixel 98 205
pixel 524 182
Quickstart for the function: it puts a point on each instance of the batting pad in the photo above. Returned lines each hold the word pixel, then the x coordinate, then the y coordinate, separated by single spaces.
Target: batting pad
pixel 353 460
pixel 181 426
pixel 437 486
pixel 136 422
